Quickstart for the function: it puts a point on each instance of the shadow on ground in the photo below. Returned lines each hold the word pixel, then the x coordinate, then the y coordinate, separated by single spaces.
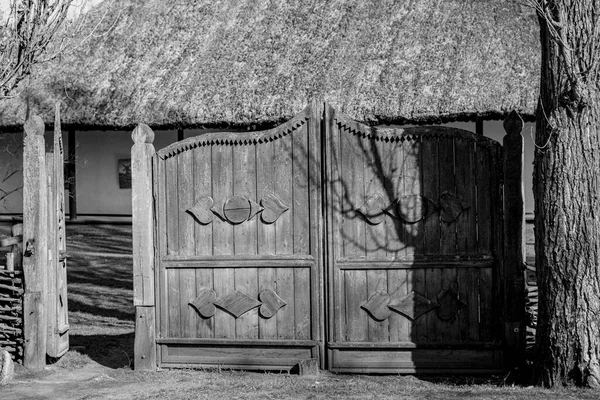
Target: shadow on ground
pixel 113 351
pixel 100 293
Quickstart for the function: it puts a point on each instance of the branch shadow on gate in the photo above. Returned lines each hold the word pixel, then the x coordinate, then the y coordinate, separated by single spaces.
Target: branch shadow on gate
pixel 403 227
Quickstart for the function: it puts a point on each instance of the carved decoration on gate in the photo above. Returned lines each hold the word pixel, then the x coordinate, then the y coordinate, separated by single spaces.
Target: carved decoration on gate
pixel 412 306
pixel 411 208
pixel 238 209
pixel 237 303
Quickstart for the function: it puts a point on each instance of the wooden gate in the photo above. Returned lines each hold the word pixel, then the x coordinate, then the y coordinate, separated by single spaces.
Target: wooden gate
pixel 415 234
pixel 372 250
pixel 45 319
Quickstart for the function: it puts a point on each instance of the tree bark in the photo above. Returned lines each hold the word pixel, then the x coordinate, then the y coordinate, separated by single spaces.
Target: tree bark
pixel 567 195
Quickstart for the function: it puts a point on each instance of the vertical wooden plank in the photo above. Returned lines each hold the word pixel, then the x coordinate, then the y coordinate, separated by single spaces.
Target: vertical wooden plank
pixel 378 331
pixel 355 293
pixel 411 186
pixel 396 287
pixel 485 223
pixel 284 240
pixel 469 294
pixel 52 262
pixel 514 247
pixel 203 233
pixel 395 233
pixel 466 179
pixel 376 172
pixel 334 278
pixel 142 216
pixel 446 172
pixel 267 277
pixel 172 206
pixel 486 317
pixel 419 326
pixel 222 188
pixel 145 341
pixel 450 328
pixel 160 274
pixel 353 226
pixel 187 276
pixel 61 243
pixel 301 196
pixel 35 214
pixel 430 189
pixel 245 241
pixel 484 195
pixel 498 277
pixel 317 228
pixel 172 218
pixel 433 278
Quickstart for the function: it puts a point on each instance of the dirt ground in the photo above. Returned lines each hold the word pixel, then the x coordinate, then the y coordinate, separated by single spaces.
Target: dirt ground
pixel 101 316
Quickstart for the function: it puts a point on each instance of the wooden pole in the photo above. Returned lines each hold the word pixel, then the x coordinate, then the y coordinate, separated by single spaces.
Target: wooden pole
pixel 142 154
pixel 514 247
pixel 35 244
pixel 479 126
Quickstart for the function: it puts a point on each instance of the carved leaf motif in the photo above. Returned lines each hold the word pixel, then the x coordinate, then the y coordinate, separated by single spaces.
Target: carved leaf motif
pixel 274 207
pixel 218 211
pixel 255 208
pixel 377 306
pixel 372 209
pixel 413 305
pixel 412 208
pixel 237 303
pixel 271 303
pixel 449 305
pixel 201 211
pixel 452 206
pixel 237 209
pixel 203 304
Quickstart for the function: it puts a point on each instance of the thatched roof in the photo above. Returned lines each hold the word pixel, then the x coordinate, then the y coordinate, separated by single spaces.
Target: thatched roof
pixel 214 63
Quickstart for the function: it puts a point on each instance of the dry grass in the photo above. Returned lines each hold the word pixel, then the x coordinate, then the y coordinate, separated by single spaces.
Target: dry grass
pixel 101 317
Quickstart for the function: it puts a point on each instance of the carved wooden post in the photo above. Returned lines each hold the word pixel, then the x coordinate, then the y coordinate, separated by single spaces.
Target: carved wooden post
pixel 35 218
pixel 142 153
pixel 514 248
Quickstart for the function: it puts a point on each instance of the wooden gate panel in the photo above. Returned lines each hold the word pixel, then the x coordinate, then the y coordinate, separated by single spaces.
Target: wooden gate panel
pixel 238 263
pixel 415 246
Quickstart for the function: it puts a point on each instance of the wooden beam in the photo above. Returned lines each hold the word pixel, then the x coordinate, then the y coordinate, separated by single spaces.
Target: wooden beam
pixel 179 134
pixel 72 173
pixel 479 126
pixel 142 154
pixel 35 216
pixel 514 247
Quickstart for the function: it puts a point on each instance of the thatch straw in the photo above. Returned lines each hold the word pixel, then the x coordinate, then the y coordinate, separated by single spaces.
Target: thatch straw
pixel 213 63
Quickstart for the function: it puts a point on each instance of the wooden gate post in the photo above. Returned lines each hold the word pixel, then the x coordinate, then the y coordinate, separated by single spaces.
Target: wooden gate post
pixel 142 153
pixel 514 249
pixel 35 246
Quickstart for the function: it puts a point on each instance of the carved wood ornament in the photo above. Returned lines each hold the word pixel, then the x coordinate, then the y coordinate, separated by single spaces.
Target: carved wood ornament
pixel 238 209
pixel 237 303
pixel 411 208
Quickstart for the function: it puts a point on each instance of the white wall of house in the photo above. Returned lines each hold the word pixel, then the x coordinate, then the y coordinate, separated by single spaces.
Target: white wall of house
pixel 98 153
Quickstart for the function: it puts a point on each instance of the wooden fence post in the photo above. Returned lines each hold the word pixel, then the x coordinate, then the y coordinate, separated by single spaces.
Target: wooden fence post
pixel 142 154
pixel 514 248
pixel 35 247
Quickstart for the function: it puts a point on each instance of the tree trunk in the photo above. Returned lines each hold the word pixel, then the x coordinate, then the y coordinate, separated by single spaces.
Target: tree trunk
pixel 567 195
